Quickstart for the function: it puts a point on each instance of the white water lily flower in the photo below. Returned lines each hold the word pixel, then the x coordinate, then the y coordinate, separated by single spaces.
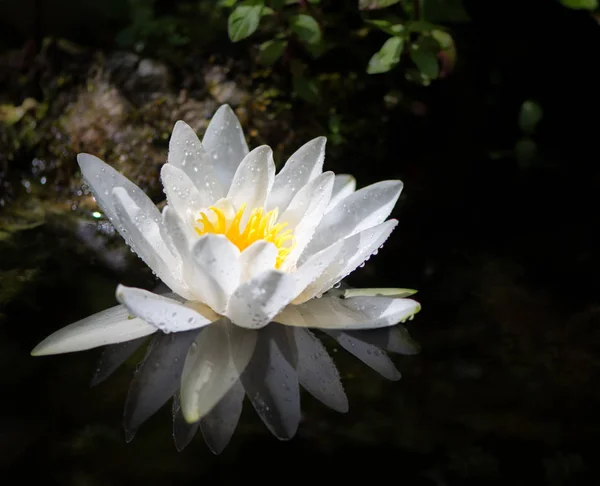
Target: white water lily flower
pixel 251 258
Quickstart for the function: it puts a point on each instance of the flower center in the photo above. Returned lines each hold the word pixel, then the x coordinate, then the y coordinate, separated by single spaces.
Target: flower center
pixel 260 226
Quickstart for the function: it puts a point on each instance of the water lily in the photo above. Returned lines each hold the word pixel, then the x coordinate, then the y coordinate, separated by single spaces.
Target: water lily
pixel 253 260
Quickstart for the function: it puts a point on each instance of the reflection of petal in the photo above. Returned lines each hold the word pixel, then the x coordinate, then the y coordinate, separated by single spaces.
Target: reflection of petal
pixel 371 355
pixel 157 378
pixel 112 357
pixel 183 432
pixel 271 382
pixel 219 424
pixel 317 372
pixel 394 339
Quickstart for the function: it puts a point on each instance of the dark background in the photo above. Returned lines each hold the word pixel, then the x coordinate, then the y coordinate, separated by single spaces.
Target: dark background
pixel 497 231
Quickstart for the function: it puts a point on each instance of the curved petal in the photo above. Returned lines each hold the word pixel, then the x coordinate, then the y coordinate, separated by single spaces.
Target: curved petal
pixel 183 432
pixel 113 356
pixel 253 179
pixel 216 270
pixel 165 314
pixel 372 356
pixel 362 209
pixel 110 326
pixel 212 367
pixel 343 186
pixel 179 237
pixel 254 303
pixel 187 153
pixel 305 212
pixel 317 372
pixel 219 424
pixel 225 144
pixel 258 257
pixel 333 312
pixel 182 194
pixel 156 379
pixel 351 253
pixel 143 234
pixel 271 383
pixel 304 165
pixel 395 339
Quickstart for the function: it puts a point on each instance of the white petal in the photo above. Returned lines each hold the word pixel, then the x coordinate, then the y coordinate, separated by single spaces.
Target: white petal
pixel 343 186
pixel 316 268
pixel 165 314
pixel 305 212
pixel 102 179
pixel 257 301
pixel 333 312
pixel 182 194
pixel 317 371
pixel 216 270
pixel 253 179
pixel 110 326
pixel 360 210
pixel 187 153
pixel 225 144
pixel 143 234
pixel 258 257
pixel 213 365
pixel 303 166
pixel 351 253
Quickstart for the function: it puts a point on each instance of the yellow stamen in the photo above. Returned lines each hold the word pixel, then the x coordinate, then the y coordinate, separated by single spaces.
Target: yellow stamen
pixel 260 226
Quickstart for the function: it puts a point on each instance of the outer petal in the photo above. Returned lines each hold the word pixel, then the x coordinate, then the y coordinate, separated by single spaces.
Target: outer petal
pixel 256 302
pixel 183 432
pixel 360 210
pixel 258 257
pixel 216 270
pixel 253 179
pixel 317 372
pixel 225 143
pixel 110 326
pixel 351 253
pixel 182 194
pixel 333 312
pixel 213 365
pixel 113 356
pixel 143 234
pixel 343 186
pixel 395 339
pixel 305 212
pixel 187 153
pixel 165 314
pixel 303 166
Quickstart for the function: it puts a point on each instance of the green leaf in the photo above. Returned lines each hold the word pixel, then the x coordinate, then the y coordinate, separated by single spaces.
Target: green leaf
pixel 530 115
pixel 226 3
pixel 306 28
pixel 580 4
pixel 271 50
pixel 426 60
pixel 387 57
pixel 387 26
pixel 445 11
pixel 420 26
pixel 307 89
pixel 375 4
pixel 243 21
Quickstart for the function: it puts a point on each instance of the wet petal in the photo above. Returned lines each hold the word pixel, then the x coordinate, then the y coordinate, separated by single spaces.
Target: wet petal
pixel 271 383
pixel 187 153
pixel 219 424
pixel 343 186
pixel 317 372
pixel 110 326
pixel 372 356
pixel 182 194
pixel 157 378
pixel 213 365
pixel 253 179
pixel 113 356
pixel 303 166
pixel 183 432
pixel 165 314
pixel 216 270
pixel 258 257
pixel 362 209
pixel 255 302
pixel 225 144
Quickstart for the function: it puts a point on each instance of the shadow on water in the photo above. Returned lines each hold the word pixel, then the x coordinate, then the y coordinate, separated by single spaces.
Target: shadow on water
pixel 504 256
